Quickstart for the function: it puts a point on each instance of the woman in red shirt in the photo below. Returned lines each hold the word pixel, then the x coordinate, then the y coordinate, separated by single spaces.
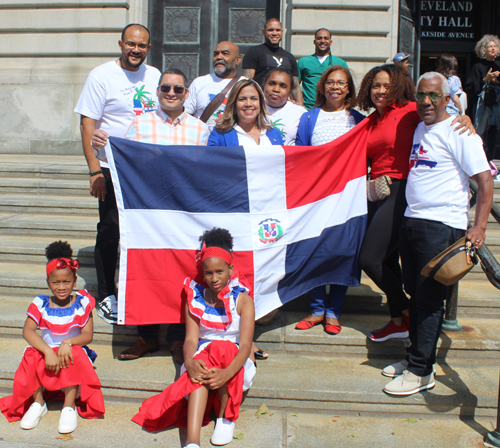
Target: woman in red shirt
pixel 389 90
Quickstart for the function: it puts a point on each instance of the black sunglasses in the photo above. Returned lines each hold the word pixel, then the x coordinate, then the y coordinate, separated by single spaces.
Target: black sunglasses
pixel 165 88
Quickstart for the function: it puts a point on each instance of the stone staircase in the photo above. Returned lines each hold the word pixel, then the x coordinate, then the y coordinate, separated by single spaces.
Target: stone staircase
pixel 44 198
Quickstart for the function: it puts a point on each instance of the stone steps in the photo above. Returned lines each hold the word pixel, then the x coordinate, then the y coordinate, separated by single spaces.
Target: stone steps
pixel 61 205
pixel 23 248
pixel 48 224
pixel 341 383
pixel 279 428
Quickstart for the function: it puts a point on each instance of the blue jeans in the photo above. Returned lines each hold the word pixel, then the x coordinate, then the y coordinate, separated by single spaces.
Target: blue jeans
pixel 420 240
pixel 320 305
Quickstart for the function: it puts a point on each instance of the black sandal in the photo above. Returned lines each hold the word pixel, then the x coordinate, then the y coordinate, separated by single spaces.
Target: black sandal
pixel 260 355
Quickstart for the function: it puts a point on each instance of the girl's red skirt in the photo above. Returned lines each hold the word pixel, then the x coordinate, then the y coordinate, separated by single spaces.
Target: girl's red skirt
pixel 170 407
pixel 31 374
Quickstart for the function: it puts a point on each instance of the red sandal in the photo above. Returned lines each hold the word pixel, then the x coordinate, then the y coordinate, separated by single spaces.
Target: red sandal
pixel 307 324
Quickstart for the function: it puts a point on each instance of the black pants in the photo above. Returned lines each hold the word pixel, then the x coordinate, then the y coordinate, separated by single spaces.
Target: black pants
pixel 490 142
pixel 106 244
pixel 420 241
pixel 175 332
pixel 379 255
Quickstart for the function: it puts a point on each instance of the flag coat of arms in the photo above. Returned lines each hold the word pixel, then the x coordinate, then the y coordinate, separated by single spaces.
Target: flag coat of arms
pixel 297 216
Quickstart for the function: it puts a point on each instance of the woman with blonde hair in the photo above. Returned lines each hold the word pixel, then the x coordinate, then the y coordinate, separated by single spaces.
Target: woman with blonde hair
pixel 483 85
pixel 245 120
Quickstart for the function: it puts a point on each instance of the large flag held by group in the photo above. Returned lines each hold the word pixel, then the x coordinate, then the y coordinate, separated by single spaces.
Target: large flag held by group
pixel 297 216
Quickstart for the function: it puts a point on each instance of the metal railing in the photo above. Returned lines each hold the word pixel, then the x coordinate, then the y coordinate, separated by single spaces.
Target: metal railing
pixel 491 268
pixel 489 265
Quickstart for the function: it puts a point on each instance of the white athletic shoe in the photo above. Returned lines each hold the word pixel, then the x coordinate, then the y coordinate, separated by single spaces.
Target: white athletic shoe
pixel 68 420
pixel 223 432
pixel 33 415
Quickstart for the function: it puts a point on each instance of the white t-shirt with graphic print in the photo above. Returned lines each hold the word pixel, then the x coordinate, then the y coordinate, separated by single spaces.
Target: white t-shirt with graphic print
pixel 114 97
pixel 202 91
pixel 441 163
pixel 286 120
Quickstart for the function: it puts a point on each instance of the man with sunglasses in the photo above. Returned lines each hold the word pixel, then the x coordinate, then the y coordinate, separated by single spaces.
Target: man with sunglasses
pixel 169 124
pixel 114 93
pixel 441 163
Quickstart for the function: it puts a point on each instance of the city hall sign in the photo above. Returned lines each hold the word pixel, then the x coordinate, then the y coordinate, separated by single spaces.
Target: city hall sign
pixel 450 20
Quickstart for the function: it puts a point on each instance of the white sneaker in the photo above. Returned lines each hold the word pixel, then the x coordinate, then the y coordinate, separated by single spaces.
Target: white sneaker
pixel 192 445
pixel 68 420
pixel 107 310
pixel 33 415
pixel 223 432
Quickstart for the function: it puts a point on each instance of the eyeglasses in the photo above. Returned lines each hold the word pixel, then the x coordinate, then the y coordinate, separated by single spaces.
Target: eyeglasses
pixel 165 88
pixel 340 83
pixel 433 95
pixel 141 45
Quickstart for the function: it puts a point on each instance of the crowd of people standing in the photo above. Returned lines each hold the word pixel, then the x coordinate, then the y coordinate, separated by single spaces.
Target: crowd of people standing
pixel 418 137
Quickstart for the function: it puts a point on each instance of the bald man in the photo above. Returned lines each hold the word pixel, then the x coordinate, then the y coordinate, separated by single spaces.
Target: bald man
pixel 204 89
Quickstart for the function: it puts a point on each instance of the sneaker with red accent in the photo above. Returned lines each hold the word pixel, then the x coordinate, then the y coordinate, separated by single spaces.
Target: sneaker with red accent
pixel 390 331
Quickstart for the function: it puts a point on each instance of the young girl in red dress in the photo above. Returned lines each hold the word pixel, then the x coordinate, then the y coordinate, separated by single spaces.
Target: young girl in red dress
pixel 59 358
pixel 219 364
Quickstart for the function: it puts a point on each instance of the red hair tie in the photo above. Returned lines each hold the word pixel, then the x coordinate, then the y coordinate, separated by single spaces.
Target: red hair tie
pixel 213 251
pixel 62 263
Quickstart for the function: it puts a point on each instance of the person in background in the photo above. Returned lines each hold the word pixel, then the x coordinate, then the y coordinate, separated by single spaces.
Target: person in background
pixel 204 89
pixel 332 118
pixel 448 67
pixel 312 67
pixel 284 115
pixel 259 59
pixel 482 87
pixel 401 60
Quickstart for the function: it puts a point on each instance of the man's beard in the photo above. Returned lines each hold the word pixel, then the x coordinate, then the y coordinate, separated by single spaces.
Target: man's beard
pixel 221 70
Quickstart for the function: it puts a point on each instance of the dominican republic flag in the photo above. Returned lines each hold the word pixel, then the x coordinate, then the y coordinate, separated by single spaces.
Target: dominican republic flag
pixel 297 216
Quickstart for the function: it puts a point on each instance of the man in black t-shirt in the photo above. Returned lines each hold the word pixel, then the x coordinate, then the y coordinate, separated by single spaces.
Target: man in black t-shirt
pixel 261 58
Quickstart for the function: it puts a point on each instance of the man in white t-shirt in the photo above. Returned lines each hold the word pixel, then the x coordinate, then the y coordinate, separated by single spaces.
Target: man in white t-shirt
pixel 113 95
pixel 205 88
pixel 284 115
pixel 437 192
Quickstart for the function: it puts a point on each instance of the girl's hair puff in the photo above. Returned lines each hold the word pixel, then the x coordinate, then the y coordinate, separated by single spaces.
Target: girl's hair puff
pixel 217 237
pixel 58 249
pixel 402 89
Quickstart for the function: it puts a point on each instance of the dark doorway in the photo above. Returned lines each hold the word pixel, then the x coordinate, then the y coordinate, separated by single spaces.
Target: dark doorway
pixel 184 33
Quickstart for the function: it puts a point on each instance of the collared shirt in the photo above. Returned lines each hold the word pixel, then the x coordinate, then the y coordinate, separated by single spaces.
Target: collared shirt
pixel 248 140
pixel 391 138
pixel 158 128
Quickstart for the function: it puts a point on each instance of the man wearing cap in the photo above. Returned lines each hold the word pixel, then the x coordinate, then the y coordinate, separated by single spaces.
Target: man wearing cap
pixel 441 163
pixel 401 60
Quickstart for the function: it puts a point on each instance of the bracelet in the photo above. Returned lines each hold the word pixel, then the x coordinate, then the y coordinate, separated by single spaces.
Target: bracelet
pixel 93 173
pixel 67 343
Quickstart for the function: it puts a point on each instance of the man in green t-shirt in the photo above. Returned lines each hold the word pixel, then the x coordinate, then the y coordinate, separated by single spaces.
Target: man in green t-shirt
pixel 312 67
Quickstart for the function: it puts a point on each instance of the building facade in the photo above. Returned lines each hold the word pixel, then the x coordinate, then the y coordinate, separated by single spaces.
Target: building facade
pixel 50 46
